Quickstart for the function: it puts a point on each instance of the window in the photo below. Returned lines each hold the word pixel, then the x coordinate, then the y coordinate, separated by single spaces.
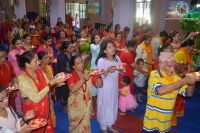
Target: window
pixel 82 11
pixel 76 8
pixel 143 8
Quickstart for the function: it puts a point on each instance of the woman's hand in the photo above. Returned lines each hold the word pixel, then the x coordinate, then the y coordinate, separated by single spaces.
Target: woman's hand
pixel 189 79
pixel 30 114
pixel 27 129
pixel 58 79
pixel 111 69
pixel 86 75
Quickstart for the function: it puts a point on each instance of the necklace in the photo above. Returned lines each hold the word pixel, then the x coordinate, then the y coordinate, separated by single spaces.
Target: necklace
pixel 83 87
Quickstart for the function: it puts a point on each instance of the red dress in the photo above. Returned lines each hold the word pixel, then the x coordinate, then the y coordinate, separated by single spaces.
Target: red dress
pixel 7 72
pixel 127 58
pixel 41 108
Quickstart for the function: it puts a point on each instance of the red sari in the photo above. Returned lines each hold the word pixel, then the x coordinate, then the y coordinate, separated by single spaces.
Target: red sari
pixel 41 108
pixel 127 58
pixel 7 72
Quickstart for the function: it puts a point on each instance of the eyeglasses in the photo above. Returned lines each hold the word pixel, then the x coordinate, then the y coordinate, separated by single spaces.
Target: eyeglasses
pixel 4 98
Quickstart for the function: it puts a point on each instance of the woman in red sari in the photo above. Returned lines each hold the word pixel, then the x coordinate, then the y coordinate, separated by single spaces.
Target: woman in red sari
pixel 128 58
pixel 34 87
pixel 119 44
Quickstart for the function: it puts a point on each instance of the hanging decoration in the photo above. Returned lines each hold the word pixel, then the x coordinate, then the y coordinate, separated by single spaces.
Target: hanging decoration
pixel 182 8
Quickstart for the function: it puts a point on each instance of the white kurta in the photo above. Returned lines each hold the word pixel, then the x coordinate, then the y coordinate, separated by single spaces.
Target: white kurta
pixel 107 96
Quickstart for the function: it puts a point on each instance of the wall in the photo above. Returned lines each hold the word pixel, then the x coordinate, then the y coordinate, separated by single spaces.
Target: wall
pixel 124 14
pixel 32 6
pixel 158 10
pixel 57 9
pixel 105 16
pixel 8 10
pixel 20 8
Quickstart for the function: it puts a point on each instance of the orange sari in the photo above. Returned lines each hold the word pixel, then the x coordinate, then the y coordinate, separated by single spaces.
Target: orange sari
pixel 148 50
pixel 41 108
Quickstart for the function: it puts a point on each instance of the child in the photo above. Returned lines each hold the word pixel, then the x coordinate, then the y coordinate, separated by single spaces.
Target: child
pixel 126 99
pixel 140 76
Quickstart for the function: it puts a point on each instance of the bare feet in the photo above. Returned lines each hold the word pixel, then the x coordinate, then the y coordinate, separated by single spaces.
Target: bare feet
pixel 112 130
pixel 104 131
pixel 122 113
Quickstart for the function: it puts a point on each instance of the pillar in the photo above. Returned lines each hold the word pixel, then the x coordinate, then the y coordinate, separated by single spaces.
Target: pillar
pixel 57 9
pixel 20 8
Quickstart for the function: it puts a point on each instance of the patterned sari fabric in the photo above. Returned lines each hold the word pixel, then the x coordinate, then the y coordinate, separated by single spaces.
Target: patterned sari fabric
pixel 79 106
pixel 145 52
pixel 42 107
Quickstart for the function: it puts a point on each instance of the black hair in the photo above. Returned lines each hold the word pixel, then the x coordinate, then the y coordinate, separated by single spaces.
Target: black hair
pixel 14 40
pixel 24 58
pixel 146 37
pixel 46 38
pixel 187 42
pixel 25 36
pixel 103 46
pixel 117 33
pixel 41 54
pixel 163 47
pixel 73 58
pixel 163 34
pixel 117 25
pixel 172 34
pixel 73 41
pixel 93 38
pixel 108 28
pixel 126 29
pixel 126 80
pixel 131 43
pixel 65 45
pixel 139 60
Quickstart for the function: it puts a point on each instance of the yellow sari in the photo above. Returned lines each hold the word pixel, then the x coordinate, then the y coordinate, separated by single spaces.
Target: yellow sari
pixel 148 50
pixel 49 73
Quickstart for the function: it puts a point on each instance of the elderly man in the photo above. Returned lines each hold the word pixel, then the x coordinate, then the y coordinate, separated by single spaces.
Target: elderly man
pixel 164 86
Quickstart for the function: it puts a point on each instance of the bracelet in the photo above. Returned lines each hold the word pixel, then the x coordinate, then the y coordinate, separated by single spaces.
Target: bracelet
pixel 49 84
